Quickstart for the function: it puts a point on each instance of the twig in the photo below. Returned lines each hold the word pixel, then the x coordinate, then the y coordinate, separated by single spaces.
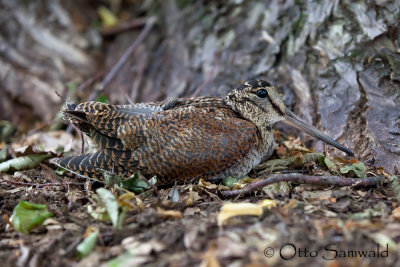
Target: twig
pixel 72 127
pixel 127 97
pixel 124 26
pixel 60 96
pixel 39 185
pixel 306 179
pixel 149 24
pixel 90 81
pixel 71 248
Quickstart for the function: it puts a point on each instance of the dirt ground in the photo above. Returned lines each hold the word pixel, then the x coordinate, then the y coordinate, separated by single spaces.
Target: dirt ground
pixel 317 225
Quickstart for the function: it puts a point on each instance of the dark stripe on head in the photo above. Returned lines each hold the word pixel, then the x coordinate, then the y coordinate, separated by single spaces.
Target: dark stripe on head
pixel 263 83
pixel 252 83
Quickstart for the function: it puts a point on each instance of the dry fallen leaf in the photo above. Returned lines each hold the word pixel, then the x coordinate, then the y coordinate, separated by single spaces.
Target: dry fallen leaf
pixel 90 230
pixel 211 186
pixel 191 233
pixel 346 161
pixel 229 210
pixel 131 201
pixel 53 141
pixel 193 197
pixel 209 258
pixel 396 213
pixel 267 203
pixel 207 185
pixel 169 214
pixel 295 145
pixel 140 248
pixel 290 205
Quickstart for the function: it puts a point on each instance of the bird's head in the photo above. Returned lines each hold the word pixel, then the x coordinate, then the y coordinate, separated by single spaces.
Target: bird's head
pixel 259 102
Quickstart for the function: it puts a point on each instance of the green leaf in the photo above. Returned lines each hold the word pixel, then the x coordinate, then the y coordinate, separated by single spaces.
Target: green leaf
pixel 102 98
pixel 153 180
pixel 59 149
pixel 329 164
pixel 100 213
pixel 57 123
pixel 111 204
pixel 124 259
pixel 71 86
pixel 229 181
pixel 110 178
pixel 21 163
pixel 315 156
pixel 60 170
pixel 367 214
pixel 121 218
pixel 87 245
pixel 107 16
pixel 358 169
pixel 384 240
pixel 107 208
pixel 3 153
pixel 28 215
pixel 135 184
pixel 6 131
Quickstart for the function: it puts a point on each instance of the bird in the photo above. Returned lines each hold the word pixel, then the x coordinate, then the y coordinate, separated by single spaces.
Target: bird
pixel 182 140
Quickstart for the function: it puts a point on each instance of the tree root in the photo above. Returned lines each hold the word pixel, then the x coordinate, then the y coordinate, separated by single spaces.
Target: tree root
pixel 306 179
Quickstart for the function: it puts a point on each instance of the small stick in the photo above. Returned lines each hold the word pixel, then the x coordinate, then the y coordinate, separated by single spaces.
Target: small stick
pixel 90 81
pixel 127 97
pixel 124 57
pixel 39 185
pixel 60 96
pixel 306 179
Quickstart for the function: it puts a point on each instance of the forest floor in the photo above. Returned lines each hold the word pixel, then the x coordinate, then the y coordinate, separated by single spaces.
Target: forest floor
pixel 194 224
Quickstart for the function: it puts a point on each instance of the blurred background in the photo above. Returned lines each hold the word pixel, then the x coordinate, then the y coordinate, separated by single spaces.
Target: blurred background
pixel 336 62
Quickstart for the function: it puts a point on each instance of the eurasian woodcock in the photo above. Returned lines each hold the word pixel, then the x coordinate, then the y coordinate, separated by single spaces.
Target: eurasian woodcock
pixel 182 140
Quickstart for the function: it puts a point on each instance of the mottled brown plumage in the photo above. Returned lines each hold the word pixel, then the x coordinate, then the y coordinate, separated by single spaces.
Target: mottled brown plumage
pixel 182 140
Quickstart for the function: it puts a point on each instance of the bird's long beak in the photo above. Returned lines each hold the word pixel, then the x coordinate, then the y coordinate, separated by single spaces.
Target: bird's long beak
pixel 295 121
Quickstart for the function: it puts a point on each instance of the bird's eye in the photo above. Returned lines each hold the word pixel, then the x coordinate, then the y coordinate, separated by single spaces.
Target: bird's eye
pixel 262 93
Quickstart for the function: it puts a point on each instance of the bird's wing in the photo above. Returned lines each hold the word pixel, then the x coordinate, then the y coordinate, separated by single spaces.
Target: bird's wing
pixel 91 165
pixel 199 138
pixel 186 143
pixel 105 117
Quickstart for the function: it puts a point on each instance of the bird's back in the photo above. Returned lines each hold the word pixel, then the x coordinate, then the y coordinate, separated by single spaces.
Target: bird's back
pixel 178 140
